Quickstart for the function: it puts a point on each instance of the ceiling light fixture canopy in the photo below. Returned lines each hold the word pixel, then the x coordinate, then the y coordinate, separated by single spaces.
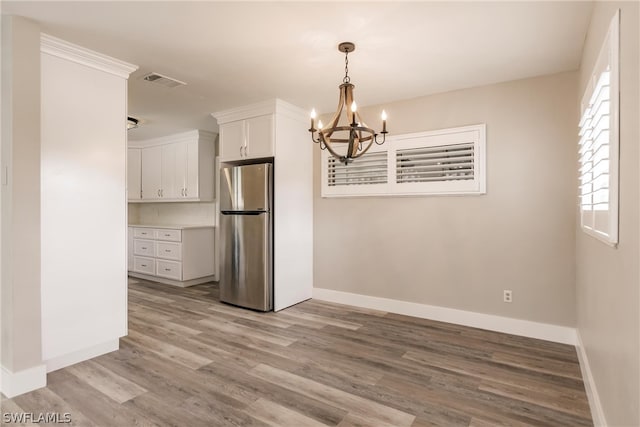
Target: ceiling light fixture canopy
pixel 355 134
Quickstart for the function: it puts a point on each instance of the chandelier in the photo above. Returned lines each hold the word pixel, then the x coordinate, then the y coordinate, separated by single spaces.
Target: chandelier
pixel 354 135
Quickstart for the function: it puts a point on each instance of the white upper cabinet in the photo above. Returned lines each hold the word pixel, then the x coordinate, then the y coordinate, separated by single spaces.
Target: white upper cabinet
pixel 134 163
pixel 233 135
pixel 178 168
pixel 260 136
pixel 169 171
pixel 251 138
pixel 151 173
pixel 194 171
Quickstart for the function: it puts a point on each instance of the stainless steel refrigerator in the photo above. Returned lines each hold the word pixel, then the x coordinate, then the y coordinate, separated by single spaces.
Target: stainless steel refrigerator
pixel 246 263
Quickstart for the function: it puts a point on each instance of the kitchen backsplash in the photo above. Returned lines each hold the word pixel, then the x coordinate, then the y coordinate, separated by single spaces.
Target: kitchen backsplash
pixel 172 213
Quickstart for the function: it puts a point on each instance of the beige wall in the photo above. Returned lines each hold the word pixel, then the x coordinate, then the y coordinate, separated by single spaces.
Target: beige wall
pixel 608 278
pixel 21 328
pixel 462 251
pixel 172 213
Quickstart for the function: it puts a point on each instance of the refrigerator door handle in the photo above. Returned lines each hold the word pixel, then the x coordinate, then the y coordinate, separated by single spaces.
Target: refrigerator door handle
pixel 242 213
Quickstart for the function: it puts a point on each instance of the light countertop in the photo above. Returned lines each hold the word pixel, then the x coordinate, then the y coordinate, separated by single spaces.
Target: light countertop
pixel 172 226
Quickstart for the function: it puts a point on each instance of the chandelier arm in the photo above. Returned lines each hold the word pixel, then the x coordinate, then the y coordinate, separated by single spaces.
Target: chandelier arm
pixel 384 137
pixel 327 144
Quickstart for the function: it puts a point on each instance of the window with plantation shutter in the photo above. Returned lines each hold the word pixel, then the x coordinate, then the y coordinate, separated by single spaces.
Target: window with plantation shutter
pixel 599 144
pixel 446 161
pixel 439 163
pixel 370 170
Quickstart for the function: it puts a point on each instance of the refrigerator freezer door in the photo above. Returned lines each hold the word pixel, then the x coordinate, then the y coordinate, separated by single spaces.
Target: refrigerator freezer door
pixel 245 188
pixel 245 261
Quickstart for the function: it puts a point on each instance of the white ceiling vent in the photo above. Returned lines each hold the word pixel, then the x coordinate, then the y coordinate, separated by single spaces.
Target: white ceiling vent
pixel 162 80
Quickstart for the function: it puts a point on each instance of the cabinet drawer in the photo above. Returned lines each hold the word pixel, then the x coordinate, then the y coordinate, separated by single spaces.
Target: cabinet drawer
pixel 167 234
pixel 169 250
pixel 144 247
pixel 144 265
pixel 169 269
pixel 144 233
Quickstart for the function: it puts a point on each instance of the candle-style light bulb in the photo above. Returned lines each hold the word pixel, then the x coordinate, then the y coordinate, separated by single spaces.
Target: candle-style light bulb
pixel 354 108
pixel 384 121
pixel 320 124
pixel 313 119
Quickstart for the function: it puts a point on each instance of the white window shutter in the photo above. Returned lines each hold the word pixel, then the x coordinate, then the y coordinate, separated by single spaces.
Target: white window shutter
pixel 598 146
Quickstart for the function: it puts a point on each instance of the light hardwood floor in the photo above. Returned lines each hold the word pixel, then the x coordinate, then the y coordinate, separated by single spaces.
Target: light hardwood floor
pixel 191 361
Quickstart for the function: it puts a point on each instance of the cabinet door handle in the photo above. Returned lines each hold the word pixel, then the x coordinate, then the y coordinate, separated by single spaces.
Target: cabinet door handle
pixel 158 192
pixel 143 265
pixel 144 248
pixel 167 269
pixel 185 192
pixel 167 250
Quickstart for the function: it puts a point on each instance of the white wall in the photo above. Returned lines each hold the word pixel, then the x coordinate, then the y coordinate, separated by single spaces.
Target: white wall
pixel 84 277
pixel 21 335
pixel 608 279
pixel 461 252
pixel 195 213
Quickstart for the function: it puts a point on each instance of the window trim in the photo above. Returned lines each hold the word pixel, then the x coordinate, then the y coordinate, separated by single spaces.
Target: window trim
pixel 391 188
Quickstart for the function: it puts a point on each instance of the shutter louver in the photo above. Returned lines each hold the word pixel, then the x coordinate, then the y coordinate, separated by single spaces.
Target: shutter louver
pixel 599 142
pixel 436 163
pixel 370 169
pixel 594 156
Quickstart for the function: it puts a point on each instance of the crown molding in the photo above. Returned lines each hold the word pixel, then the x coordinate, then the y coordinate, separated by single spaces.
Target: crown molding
pixel 273 106
pixel 71 52
pixel 191 135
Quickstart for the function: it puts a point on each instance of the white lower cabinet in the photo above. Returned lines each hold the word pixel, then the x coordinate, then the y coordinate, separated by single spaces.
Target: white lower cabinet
pixel 144 265
pixel 169 250
pixel 169 269
pixel 144 247
pixel 177 256
pixel 129 248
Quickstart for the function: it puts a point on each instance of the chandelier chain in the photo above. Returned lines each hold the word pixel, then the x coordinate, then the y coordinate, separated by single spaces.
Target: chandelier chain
pixel 346 78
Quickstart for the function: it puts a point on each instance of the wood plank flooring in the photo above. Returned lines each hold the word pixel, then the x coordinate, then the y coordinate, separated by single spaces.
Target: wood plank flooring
pixel 191 361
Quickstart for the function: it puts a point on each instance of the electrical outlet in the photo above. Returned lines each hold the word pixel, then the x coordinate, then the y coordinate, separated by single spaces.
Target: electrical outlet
pixel 507 295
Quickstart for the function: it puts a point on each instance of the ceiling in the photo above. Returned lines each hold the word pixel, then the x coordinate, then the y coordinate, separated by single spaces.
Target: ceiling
pixel 235 53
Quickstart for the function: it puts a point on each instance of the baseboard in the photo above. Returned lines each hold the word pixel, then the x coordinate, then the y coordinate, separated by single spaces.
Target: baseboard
pixel 182 284
pixel 60 362
pixel 597 414
pixel 16 383
pixel 543 331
